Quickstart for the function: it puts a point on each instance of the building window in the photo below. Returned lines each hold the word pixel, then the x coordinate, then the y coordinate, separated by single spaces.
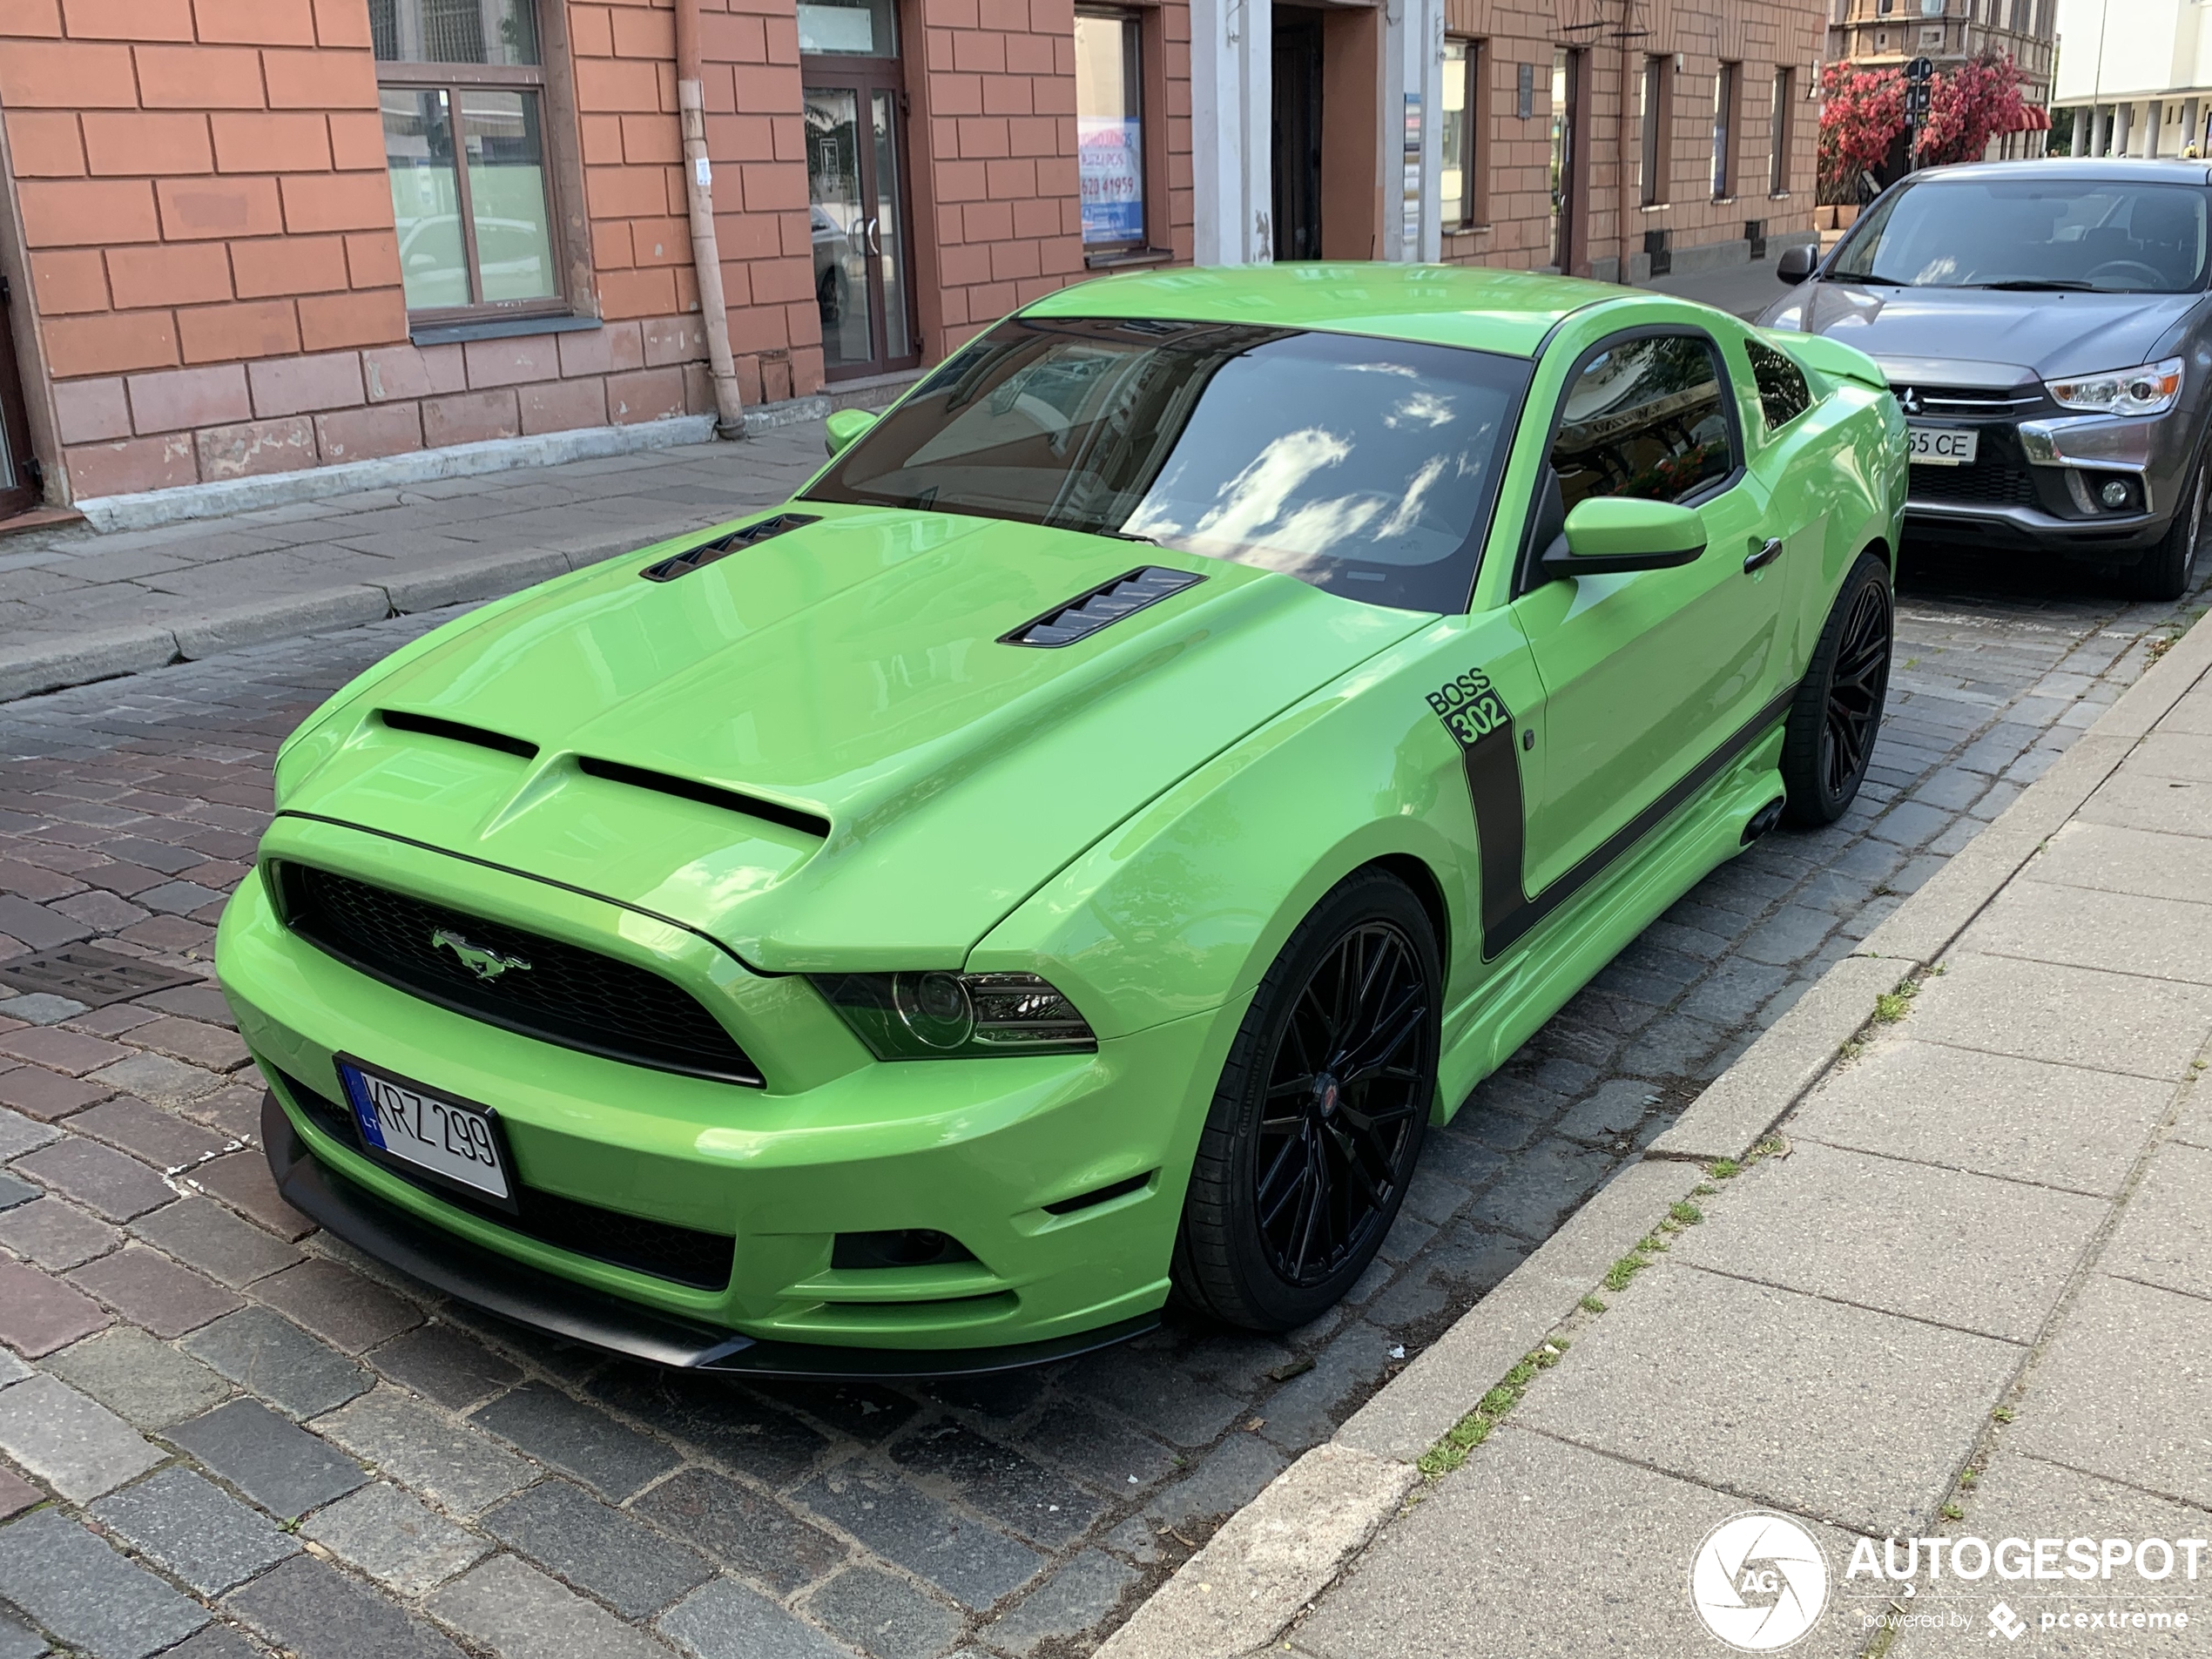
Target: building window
pixel 1109 128
pixel 1779 134
pixel 1724 91
pixel 1931 39
pixel 462 89
pixel 1463 134
pixel 1653 158
pixel 1931 8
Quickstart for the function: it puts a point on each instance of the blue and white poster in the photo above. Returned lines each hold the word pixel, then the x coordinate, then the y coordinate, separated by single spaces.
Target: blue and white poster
pixel 1111 168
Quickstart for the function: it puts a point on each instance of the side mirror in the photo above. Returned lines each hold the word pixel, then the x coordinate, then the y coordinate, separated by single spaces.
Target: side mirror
pixel 1796 263
pixel 1607 534
pixel 845 426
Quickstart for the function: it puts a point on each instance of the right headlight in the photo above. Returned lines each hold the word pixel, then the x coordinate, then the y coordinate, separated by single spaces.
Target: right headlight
pixel 2151 389
pixel 938 1015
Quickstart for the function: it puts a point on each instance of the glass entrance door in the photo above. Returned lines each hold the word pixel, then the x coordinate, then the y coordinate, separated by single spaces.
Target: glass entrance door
pixel 857 208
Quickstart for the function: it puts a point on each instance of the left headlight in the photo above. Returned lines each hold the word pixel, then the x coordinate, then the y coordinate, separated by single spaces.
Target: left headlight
pixel 942 1015
pixel 2148 390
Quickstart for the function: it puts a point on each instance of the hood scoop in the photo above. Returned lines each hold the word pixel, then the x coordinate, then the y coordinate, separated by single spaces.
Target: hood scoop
pixel 1100 607
pixel 430 726
pixel 729 800
pixel 684 564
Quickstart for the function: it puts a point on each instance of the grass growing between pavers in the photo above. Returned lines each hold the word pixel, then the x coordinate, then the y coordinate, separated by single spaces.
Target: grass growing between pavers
pixel 1472 1430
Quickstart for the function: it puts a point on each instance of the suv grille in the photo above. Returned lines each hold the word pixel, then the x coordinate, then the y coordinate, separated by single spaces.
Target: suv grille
pixel 566 994
pixel 684 1254
pixel 1991 481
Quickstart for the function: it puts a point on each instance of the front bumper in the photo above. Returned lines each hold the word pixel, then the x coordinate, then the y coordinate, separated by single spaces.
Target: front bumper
pixel 2034 486
pixel 976 1149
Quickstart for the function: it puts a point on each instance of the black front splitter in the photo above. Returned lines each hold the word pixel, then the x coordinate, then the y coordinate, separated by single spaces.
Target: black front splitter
pixel 543 1301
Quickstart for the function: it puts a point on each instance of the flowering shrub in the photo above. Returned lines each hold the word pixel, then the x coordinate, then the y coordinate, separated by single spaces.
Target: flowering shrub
pixel 1862 112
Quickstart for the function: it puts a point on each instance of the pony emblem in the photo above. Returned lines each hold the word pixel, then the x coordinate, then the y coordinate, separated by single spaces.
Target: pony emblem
pixel 484 964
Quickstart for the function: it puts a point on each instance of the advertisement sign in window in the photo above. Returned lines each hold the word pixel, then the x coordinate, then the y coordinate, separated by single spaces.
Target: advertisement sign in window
pixel 1111 170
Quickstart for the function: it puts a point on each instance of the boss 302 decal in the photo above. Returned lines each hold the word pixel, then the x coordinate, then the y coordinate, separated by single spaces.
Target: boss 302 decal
pixel 1476 716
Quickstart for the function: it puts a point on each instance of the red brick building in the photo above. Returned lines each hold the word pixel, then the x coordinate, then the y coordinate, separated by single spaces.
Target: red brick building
pixel 252 238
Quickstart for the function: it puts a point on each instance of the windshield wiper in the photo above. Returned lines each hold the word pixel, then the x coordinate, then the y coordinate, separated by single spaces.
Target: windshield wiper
pixel 2034 285
pixel 1878 281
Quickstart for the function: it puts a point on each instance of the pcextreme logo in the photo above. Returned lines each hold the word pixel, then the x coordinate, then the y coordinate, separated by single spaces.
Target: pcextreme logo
pixel 1759 1581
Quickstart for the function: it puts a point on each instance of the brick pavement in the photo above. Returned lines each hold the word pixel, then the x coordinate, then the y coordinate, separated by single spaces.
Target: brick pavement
pixel 236 1427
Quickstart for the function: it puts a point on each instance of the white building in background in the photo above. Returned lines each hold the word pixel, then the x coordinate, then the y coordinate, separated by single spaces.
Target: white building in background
pixel 2138 74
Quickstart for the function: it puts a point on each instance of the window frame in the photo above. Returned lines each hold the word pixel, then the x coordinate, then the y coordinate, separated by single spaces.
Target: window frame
pixel 561 166
pixel 1529 574
pixel 1475 133
pixel 1728 127
pixel 1781 130
pixel 1655 132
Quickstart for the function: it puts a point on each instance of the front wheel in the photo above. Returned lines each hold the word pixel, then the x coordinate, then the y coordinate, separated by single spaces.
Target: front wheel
pixel 2168 570
pixel 1829 738
pixel 1319 1119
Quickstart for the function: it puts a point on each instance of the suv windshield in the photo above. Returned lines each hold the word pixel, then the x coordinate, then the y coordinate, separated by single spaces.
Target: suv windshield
pixel 2110 235
pixel 1365 467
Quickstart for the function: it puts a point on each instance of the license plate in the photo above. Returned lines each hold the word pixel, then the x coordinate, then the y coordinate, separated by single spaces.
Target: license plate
pixel 456 1141
pixel 1941 446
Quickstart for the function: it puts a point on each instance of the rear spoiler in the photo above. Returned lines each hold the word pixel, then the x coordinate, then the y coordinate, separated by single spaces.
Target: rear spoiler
pixel 1828 356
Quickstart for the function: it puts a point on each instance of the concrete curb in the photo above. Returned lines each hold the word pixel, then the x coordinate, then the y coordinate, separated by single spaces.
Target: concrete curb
pixel 1271 1558
pixel 1243 1588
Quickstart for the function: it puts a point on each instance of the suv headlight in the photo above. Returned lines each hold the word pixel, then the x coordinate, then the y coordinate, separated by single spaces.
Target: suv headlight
pixel 2148 390
pixel 941 1016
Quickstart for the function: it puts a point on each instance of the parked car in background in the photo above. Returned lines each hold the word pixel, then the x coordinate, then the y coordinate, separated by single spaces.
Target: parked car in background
pixel 2045 326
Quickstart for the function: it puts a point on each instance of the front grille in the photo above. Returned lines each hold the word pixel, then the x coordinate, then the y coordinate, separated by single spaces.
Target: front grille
pixel 1936 401
pixel 683 1254
pixel 551 989
pixel 1994 480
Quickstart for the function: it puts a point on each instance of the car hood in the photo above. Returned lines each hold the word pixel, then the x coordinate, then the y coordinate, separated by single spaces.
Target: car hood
pixel 898 778
pixel 1978 337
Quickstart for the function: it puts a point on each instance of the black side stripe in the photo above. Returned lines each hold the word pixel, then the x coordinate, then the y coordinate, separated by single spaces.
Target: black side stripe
pixel 1483 727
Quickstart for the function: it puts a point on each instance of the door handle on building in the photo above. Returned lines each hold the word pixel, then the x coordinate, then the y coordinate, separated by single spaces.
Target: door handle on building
pixel 1763 558
pixel 875 242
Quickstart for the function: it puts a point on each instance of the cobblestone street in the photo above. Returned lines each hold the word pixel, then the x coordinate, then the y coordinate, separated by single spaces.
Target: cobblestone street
pixel 244 1426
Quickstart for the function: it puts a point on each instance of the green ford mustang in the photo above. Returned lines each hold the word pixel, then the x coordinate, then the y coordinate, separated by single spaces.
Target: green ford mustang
pixel 1071 851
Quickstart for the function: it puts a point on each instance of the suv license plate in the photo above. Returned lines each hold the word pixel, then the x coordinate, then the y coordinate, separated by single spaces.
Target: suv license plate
pixel 1941 446
pixel 455 1140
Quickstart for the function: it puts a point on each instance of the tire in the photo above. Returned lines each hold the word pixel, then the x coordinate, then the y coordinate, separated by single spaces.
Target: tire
pixel 1285 1213
pixel 1829 738
pixel 2168 571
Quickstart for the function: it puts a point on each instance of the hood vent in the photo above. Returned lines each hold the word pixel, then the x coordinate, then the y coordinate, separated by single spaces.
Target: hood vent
pixel 684 564
pixel 430 726
pixel 1105 605
pixel 729 800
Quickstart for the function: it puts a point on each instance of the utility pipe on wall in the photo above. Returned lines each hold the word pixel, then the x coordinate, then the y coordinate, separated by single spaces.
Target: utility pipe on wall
pixel 706 253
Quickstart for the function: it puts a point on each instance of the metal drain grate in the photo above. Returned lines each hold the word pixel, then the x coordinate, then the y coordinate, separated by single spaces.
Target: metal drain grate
pixel 88 974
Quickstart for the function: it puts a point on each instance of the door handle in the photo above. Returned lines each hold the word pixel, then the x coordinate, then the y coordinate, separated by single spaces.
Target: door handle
pixel 875 243
pixel 1764 557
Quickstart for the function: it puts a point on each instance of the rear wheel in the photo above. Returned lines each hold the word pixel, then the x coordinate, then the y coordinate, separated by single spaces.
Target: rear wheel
pixel 1837 713
pixel 1318 1122
pixel 2168 568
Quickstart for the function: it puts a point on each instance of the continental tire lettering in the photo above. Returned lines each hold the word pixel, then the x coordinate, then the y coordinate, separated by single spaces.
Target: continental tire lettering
pixel 1470 708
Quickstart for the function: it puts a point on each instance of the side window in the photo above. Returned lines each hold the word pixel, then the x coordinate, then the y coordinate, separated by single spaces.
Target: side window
pixel 1646 418
pixel 1782 393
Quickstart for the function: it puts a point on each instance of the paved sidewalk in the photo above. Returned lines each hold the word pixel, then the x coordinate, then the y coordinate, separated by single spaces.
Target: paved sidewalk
pixel 1962 1291
pixel 76 605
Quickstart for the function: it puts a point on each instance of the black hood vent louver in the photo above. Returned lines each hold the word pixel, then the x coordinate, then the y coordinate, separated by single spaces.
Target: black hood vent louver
pixel 684 564
pixel 430 726
pixel 1105 605
pixel 729 800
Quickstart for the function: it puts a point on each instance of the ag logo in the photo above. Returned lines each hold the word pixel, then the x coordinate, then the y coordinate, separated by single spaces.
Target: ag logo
pixel 1759 1581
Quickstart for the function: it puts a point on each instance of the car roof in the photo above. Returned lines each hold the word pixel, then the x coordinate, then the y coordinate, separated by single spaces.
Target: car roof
pixel 2131 170
pixel 1508 312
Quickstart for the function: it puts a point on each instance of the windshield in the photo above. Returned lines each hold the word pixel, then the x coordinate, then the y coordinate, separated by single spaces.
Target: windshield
pixel 2112 236
pixel 1365 467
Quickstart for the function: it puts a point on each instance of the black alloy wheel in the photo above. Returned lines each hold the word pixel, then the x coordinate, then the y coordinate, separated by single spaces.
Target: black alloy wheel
pixel 1829 741
pixel 1318 1121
